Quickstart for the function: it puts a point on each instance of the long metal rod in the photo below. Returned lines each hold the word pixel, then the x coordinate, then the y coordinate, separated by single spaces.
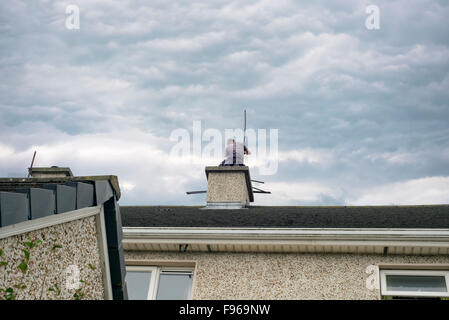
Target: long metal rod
pixel 32 163
pixel 195 192
pixel 244 127
pixel 260 190
pixel 257 181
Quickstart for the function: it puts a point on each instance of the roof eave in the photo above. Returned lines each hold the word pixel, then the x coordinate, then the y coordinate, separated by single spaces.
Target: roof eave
pixel 277 239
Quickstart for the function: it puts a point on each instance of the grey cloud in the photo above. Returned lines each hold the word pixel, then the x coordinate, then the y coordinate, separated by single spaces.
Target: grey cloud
pixel 376 100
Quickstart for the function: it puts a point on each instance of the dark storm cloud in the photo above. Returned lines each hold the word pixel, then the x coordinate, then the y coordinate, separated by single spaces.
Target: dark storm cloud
pixel 361 113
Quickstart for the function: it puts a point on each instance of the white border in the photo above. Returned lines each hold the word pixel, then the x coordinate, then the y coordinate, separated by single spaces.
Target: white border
pixel 154 278
pixel 385 292
pixel 156 271
pixel 104 254
pixel 435 240
pixel 352 234
pixel 49 221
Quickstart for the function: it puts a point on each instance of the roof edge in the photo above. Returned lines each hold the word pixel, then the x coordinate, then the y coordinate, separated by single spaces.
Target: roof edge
pixel 113 179
pixel 286 234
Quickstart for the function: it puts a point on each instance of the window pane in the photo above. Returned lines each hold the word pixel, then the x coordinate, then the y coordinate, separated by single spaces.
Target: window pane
pixel 174 286
pixel 416 283
pixel 138 283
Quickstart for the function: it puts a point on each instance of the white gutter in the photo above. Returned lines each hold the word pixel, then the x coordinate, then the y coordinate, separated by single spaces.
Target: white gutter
pixel 308 236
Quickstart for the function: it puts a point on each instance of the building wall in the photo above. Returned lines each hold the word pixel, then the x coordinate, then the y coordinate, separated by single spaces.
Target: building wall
pixel 59 251
pixel 227 187
pixel 282 276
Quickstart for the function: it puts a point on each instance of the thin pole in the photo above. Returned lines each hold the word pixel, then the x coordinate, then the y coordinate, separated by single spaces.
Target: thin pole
pixel 244 127
pixel 196 192
pixel 32 163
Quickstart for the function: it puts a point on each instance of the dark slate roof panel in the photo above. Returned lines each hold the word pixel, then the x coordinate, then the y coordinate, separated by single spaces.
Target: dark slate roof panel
pixel 427 216
pixel 65 198
pixel 14 208
pixel 114 233
pixel 10 184
pixel 103 191
pixel 42 203
pixel 84 195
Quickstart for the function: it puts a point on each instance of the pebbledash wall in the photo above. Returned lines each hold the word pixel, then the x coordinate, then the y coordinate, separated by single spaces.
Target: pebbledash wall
pixel 280 276
pixel 236 187
pixel 56 255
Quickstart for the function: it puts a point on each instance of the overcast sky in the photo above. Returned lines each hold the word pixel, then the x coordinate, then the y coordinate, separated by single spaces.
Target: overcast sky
pixel 362 115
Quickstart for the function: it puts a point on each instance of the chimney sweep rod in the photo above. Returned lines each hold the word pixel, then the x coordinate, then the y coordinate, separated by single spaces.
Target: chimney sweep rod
pixel 32 163
pixel 244 127
pixel 195 192
pixel 260 190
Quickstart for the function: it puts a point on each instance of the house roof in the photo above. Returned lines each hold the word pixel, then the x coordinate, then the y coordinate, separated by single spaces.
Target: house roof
pixel 404 217
pixel 7 184
pixel 23 199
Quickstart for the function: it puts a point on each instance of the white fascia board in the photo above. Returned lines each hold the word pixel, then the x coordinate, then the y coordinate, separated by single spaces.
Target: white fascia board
pixel 324 236
pixel 48 221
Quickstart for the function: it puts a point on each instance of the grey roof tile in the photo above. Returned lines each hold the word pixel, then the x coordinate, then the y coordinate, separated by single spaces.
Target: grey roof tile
pixel 427 216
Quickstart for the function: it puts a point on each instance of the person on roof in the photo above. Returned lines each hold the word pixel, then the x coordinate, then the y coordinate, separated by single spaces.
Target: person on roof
pixel 235 152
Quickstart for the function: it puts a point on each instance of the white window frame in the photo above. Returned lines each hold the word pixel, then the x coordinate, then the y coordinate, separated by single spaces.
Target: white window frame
pixel 156 271
pixel 385 292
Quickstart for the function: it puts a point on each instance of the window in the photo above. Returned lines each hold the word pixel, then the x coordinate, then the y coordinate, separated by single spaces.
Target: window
pixel 159 283
pixel 414 284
